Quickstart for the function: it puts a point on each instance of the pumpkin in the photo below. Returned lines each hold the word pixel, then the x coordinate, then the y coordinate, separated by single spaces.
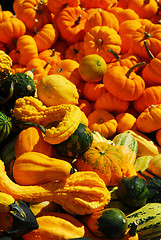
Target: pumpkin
pixel 149 32
pixel 70 23
pixel 133 198
pixel 111 103
pixel 123 83
pixel 56 6
pixel 31 140
pixel 75 51
pixel 80 183
pixel 78 143
pixel 85 106
pixel 150 96
pixel 28 11
pixel 32 168
pixel 109 223
pixel 27 47
pixel 98 39
pixel 31 111
pixel 5 15
pixel 67 68
pixel 125 121
pixel 127 28
pixel 96 4
pixel 144 8
pixel 46 37
pixel 101 17
pixel 149 120
pixel 102 121
pixel 50 55
pixel 92 68
pixel 93 90
pixel 151 73
pixel 11 29
pixel 108 161
pixel 5 126
pixel 127 143
pixel 51 94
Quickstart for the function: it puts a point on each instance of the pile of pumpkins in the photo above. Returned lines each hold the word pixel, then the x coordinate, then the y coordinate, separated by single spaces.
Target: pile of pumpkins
pixel 80 110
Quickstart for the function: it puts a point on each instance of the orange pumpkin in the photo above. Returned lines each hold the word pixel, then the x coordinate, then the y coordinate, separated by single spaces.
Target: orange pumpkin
pixel 125 121
pixel 97 3
pixel 99 39
pixel 50 55
pixel 29 10
pixel 70 23
pixel 150 119
pixel 100 17
pixel 5 15
pixel 75 51
pixel 103 122
pixel 85 106
pixel 123 83
pixel 67 68
pixel 46 37
pixel 31 140
pixel 150 96
pixel 111 103
pixel 93 90
pixel 56 6
pixel 107 161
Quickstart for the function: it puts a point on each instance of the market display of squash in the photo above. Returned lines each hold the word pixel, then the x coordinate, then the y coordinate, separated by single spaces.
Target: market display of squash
pixel 80 119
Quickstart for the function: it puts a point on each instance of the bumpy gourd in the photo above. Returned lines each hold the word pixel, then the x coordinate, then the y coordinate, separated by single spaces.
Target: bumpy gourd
pixel 5 64
pixel 59 121
pixel 81 193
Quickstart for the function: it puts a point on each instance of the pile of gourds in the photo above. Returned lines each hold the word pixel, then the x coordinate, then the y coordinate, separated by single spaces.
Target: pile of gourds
pixel 80 114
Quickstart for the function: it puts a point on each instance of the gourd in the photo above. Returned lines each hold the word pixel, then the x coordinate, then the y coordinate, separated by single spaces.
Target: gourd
pixel 107 161
pixel 109 223
pixel 72 193
pixel 154 165
pixel 51 94
pixel 92 68
pixel 77 144
pixel 97 137
pixel 16 86
pixel 133 191
pixel 146 147
pixel 5 65
pixel 5 126
pixel 58 225
pixel 149 224
pixel 59 121
pixel 127 143
pixel 33 168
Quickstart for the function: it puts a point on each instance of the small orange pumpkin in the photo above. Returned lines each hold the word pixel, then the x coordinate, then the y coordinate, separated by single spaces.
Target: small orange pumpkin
pixel 93 90
pixel 103 122
pixel 75 51
pixel 125 121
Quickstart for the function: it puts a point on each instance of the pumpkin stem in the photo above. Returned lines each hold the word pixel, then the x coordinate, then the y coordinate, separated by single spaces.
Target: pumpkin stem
pixel 78 20
pixel 148 50
pixel 35 29
pixel 53 52
pixel 76 51
pixel 39 7
pixel 30 124
pixel 133 228
pixel 46 65
pixel 146 1
pixel 147 35
pixel 114 54
pixel 100 41
pixel 133 67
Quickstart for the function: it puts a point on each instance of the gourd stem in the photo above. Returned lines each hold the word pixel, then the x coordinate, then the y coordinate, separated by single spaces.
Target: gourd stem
pixel 15 207
pixel 148 50
pixel 133 67
pixel 10 94
pixel 45 66
pixel 39 7
pixel 53 52
pixel 133 228
pixel 76 51
pixel 30 124
pixel 78 20
pixel 114 54
pixel 35 29
pixel 146 1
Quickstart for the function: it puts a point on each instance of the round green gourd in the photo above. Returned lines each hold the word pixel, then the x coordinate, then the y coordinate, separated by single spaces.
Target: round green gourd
pixel 78 143
pixel 133 191
pixel 5 126
pixel 16 86
pixel 109 223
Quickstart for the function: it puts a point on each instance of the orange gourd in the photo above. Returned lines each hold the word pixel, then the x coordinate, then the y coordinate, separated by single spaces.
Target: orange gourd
pixel 92 90
pixel 31 140
pixel 85 106
pixel 125 121
pixel 75 51
pixel 55 7
pixel 50 55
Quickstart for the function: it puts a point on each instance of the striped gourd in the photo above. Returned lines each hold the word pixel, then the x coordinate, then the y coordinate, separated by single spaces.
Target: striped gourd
pixel 5 126
pixel 127 144
pixel 149 216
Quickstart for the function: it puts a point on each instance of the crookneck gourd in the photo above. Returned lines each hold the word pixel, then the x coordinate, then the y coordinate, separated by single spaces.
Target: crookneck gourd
pixel 81 193
pixel 59 121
